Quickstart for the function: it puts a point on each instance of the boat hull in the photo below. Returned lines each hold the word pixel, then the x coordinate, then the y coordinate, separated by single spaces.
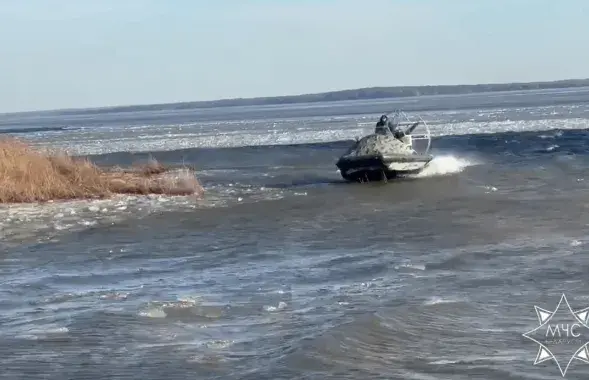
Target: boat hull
pixel 370 168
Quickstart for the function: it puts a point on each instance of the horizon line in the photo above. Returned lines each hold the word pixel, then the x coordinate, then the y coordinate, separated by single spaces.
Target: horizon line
pixel 218 103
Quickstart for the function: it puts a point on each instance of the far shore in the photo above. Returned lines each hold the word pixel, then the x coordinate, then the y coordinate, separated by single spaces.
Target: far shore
pixel 369 93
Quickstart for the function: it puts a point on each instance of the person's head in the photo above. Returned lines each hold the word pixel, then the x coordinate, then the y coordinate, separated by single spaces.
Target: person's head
pixel 384 118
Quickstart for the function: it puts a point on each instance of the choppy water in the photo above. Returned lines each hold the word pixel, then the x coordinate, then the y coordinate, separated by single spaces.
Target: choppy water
pixel 285 272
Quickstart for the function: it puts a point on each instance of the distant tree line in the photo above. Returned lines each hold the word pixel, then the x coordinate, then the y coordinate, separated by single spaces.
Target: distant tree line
pixel 355 94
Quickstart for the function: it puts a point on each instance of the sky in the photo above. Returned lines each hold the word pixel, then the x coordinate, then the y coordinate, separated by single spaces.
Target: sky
pixel 77 53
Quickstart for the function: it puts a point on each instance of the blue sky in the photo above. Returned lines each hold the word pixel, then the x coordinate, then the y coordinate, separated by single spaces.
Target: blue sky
pixel 89 53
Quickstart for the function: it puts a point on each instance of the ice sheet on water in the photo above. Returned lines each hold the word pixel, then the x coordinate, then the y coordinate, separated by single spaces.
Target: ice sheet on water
pixel 26 222
pixel 168 137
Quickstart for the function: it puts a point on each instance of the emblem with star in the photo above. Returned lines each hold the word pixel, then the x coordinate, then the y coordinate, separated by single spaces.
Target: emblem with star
pixel 562 335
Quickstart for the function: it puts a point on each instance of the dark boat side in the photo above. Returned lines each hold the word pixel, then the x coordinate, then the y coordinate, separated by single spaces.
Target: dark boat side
pixel 379 167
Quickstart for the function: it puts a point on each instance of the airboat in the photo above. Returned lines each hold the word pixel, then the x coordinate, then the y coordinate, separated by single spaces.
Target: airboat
pixel 402 151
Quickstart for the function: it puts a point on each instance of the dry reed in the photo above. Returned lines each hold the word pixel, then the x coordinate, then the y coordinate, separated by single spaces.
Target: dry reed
pixel 30 175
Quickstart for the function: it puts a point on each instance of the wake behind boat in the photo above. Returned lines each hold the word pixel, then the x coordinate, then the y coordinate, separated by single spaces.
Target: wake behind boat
pixel 391 151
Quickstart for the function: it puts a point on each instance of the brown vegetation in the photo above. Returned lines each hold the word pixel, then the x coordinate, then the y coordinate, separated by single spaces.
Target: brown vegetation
pixel 30 175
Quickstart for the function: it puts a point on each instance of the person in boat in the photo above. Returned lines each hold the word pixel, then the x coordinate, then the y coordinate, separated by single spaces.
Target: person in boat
pixel 384 126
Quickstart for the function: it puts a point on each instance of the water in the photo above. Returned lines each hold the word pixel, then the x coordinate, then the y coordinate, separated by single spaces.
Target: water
pixel 285 272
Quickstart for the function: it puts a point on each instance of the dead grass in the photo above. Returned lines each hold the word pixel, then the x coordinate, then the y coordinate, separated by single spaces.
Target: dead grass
pixel 30 175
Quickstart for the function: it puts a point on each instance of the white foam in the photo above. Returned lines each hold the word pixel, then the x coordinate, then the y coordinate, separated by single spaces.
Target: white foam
pixel 43 332
pixel 446 164
pixel 472 359
pixel 435 300
pixel 281 305
pixel 153 313
pixel 419 267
